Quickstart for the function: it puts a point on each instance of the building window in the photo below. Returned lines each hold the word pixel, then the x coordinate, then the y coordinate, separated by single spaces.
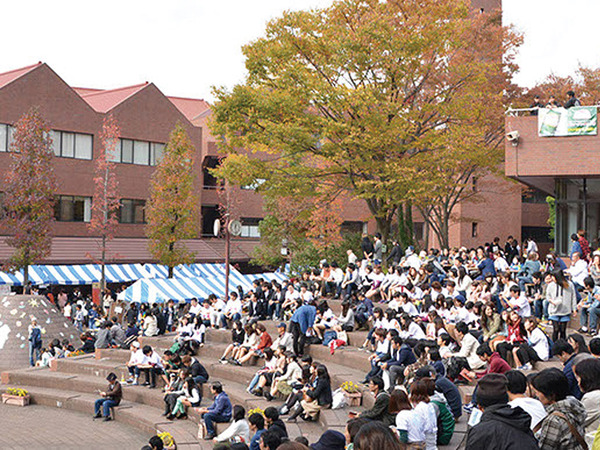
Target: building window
pixel 209 180
pixel 132 211
pixel 142 153
pixel 351 227
pixel 532 195
pixel 70 208
pixel 474 229
pixel 250 227
pixel 72 145
pixel 209 215
pixel 419 231
pixel 6 137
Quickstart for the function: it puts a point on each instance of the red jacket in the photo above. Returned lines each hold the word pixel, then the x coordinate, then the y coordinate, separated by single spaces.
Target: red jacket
pixel 265 341
pixel 497 364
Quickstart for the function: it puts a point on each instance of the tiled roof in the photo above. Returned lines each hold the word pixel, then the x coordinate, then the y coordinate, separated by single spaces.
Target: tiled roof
pixel 8 77
pixel 85 91
pixel 80 250
pixel 190 107
pixel 104 101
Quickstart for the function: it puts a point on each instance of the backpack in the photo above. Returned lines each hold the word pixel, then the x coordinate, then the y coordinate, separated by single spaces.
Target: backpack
pixel 329 336
pixel 445 422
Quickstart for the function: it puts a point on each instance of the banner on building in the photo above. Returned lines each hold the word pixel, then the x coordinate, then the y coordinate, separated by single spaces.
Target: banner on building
pixel 577 121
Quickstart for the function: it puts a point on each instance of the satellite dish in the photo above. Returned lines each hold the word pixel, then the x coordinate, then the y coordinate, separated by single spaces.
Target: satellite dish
pixel 216 227
pixel 235 227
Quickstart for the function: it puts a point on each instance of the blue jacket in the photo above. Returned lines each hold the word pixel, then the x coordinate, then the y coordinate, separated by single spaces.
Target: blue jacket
pixel 576 247
pixel 573 385
pixel 486 267
pixel 404 356
pixel 305 317
pixel 255 441
pixel 221 405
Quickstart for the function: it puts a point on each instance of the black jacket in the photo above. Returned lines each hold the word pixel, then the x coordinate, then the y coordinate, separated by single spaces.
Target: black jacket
pixel 502 428
pixel 197 369
pixel 321 392
pixel 395 255
pixel 278 427
pixel 380 410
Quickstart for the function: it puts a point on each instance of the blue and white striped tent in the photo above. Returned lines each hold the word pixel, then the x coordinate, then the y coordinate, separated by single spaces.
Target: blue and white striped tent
pixel 209 270
pixel 37 276
pixel 162 271
pixel 158 290
pixel 269 276
pixel 73 275
pixel 119 273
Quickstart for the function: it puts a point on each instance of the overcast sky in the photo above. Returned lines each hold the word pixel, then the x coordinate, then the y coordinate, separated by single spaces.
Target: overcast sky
pixel 187 46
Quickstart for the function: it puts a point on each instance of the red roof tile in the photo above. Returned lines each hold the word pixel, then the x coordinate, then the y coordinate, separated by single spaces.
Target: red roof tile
pixel 190 107
pixel 104 101
pixel 85 91
pixel 9 77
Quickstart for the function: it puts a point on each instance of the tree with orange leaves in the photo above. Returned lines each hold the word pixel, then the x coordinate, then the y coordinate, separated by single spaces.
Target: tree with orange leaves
pixel 173 208
pixel 105 202
pixel 29 191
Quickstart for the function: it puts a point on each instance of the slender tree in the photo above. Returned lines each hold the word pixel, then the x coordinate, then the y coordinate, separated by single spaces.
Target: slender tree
pixel 105 203
pixel 172 209
pixel 29 191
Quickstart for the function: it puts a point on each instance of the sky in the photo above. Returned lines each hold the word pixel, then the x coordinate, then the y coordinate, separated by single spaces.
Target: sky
pixel 187 46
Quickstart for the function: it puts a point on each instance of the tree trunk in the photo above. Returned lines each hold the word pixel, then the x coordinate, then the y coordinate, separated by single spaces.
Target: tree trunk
pixel 103 267
pixel 26 286
pixel 170 273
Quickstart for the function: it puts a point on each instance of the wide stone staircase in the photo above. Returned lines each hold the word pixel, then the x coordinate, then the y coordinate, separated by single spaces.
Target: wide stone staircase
pixel 73 383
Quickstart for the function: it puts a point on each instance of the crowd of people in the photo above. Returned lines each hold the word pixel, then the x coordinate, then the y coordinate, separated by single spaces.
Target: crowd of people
pixel 434 320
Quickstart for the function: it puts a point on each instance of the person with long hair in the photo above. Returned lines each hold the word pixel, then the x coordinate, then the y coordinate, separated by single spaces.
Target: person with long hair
pixel 400 406
pixel 536 348
pixel 423 415
pixel 315 399
pixel 491 322
pixel 516 335
pixel 239 427
pixel 376 436
pixel 189 397
pixel 562 301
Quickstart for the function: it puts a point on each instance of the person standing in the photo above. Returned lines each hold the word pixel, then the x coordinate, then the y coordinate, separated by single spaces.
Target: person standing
pixel 562 301
pixel 109 398
pixel 35 342
pixel 302 320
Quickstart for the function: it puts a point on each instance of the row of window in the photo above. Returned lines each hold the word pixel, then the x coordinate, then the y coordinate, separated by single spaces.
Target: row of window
pixel 73 208
pixel 80 146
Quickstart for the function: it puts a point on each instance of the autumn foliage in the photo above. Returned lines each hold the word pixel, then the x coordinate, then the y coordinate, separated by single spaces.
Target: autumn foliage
pixel 370 98
pixel 105 202
pixel 172 208
pixel 29 191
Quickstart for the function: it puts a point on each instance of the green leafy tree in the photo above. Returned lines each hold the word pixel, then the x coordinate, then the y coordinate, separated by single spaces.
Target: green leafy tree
pixel 29 190
pixel 362 97
pixel 172 209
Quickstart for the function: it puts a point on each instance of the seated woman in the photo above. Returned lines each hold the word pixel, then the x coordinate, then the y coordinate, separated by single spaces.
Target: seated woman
pixel 536 348
pixel 250 341
pixel 283 384
pixel 239 430
pixel 271 361
pixel 516 335
pixel 345 320
pixel 315 399
pixel 189 397
pixel 325 320
pixel 150 325
pixel 237 339
pixel 174 391
pixel 264 342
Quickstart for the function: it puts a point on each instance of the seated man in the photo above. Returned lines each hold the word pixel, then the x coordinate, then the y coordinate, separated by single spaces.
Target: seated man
pixel 110 398
pixel 152 366
pixel 197 370
pixel 399 357
pixel 218 412
pixel 380 410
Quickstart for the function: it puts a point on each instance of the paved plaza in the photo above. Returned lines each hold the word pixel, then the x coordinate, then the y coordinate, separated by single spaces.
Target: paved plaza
pixel 41 427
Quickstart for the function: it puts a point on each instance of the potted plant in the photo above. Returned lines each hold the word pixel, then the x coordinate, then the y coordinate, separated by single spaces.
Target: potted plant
pixel 16 396
pixel 352 393
pixel 168 440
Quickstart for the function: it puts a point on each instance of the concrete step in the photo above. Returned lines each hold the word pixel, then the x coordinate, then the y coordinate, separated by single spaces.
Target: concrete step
pixel 143 417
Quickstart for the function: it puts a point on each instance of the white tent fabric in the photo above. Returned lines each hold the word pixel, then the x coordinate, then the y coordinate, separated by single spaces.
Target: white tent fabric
pixel 158 290
pixel 71 275
pixel 119 273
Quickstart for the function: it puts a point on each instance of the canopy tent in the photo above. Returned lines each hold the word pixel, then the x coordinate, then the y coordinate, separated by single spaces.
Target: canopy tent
pixel 72 275
pixel 158 290
pixel 269 276
pixel 37 276
pixel 119 273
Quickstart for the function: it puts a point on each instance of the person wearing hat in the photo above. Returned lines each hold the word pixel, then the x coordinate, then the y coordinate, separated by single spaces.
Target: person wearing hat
pixel 501 426
pixel 330 440
pixel 135 359
pixel 110 398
